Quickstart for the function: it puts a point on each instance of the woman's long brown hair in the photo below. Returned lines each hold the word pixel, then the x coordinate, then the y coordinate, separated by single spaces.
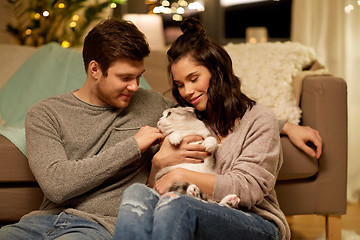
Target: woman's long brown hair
pixel 226 102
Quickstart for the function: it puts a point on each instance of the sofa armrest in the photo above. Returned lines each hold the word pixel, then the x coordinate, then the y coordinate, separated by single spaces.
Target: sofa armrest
pixel 324 107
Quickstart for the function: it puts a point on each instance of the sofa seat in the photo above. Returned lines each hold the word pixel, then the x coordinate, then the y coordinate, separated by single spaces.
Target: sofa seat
pixel 16 183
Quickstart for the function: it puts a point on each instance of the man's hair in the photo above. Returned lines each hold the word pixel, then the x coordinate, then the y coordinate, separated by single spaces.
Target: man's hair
pixel 112 39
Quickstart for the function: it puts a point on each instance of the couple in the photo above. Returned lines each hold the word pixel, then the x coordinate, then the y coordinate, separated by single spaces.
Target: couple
pixel 94 148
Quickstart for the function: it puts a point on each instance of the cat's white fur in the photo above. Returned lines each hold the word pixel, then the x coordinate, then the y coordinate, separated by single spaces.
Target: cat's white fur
pixel 176 123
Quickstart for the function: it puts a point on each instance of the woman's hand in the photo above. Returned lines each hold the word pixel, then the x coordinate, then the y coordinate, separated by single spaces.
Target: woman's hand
pixel 204 181
pixel 169 155
pixel 300 135
pixel 165 182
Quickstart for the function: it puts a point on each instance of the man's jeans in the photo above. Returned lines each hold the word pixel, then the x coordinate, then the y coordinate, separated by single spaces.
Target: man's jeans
pixel 143 214
pixel 60 227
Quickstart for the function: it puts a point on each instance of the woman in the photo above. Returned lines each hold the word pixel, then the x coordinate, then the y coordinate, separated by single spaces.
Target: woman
pixel 247 161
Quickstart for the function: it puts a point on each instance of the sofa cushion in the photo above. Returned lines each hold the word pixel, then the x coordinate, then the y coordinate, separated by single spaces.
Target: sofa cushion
pixel 266 71
pixel 15 202
pixel 297 164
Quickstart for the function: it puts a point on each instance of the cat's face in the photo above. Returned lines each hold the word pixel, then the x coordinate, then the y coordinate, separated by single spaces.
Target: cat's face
pixel 174 118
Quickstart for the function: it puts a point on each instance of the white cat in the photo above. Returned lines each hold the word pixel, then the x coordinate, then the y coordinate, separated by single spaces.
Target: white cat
pixel 176 123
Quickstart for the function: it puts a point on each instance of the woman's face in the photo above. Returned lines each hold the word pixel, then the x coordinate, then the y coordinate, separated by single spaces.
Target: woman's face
pixel 192 81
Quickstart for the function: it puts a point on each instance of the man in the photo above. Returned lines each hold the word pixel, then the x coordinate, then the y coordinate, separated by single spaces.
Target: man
pixel 86 146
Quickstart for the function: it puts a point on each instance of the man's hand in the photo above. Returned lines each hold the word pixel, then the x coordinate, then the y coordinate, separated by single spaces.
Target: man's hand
pixel 300 135
pixel 147 136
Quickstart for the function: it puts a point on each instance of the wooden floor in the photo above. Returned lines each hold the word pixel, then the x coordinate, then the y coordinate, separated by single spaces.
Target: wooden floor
pixel 311 227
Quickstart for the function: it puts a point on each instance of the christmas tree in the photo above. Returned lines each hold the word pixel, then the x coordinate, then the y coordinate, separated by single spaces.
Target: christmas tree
pixel 63 21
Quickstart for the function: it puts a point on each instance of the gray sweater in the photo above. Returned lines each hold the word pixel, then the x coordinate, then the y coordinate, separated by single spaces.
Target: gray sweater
pixel 248 162
pixel 84 156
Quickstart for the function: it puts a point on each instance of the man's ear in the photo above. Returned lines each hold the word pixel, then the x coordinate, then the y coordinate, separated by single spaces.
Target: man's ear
pixel 94 70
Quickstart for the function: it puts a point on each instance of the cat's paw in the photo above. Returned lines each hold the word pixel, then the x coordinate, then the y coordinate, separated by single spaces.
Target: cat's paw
pixel 175 138
pixel 210 144
pixel 193 190
pixel 230 200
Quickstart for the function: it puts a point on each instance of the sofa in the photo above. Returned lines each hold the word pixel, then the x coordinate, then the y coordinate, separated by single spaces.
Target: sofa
pixel 305 185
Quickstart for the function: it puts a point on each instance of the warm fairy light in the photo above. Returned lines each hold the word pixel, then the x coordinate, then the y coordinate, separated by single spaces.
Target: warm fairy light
pixel 113 5
pixel 72 24
pixel 46 13
pixel 28 31
pixel 75 17
pixel 37 16
pixel 349 8
pixel 65 44
pixel 61 5
pixel 165 3
pixel 180 10
pixel 177 17
pixel 196 6
pixel 183 3
pixel 157 9
pixel 179 7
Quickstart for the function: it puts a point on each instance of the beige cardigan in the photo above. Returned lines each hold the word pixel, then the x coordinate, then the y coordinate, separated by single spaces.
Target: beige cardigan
pixel 248 162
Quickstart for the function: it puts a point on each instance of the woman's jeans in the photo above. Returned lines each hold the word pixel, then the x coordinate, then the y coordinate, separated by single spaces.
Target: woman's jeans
pixel 59 227
pixel 144 214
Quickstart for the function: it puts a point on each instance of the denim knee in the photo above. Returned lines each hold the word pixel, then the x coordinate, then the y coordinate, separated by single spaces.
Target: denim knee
pixel 139 193
pixel 174 217
pixel 135 217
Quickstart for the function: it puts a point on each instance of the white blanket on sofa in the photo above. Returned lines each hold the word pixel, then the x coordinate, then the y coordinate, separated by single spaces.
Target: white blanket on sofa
pixel 266 71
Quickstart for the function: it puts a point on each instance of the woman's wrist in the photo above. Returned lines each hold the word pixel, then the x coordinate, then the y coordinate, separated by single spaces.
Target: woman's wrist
pixel 285 128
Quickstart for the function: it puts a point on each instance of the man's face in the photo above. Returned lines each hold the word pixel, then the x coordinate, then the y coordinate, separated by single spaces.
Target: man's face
pixel 122 81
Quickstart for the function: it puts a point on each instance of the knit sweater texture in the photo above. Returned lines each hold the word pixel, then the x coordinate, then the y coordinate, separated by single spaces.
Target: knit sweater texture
pixel 247 164
pixel 84 156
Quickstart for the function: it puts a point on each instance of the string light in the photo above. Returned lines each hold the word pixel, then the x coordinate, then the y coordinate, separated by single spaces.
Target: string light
pixel 178 8
pixel 196 6
pixel 37 16
pixel 46 13
pixel 65 44
pixel 165 3
pixel 183 3
pixel 40 28
pixel 349 8
pixel 177 17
